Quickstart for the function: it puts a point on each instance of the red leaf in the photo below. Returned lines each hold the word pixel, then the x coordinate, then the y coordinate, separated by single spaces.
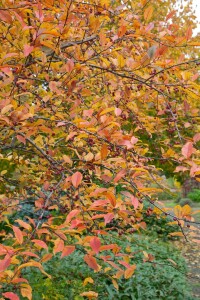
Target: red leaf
pixel 11 296
pixel 39 13
pixel 108 217
pixel 170 15
pixel 21 139
pixel 118 111
pixel 119 175
pixel 30 254
pixel 134 201
pixel 95 244
pixel 27 50
pixel 40 243
pixel 5 263
pixel 91 261
pixel 18 235
pixel 187 149
pixel 100 203
pixel 69 65
pixel 67 251
pixel 5 16
pixel 53 85
pixel 76 179
pixel 189 33
pixel 181 169
pixel 196 137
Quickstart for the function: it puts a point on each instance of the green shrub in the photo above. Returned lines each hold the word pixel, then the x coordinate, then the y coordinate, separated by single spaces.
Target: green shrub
pixel 160 227
pixel 194 195
pixel 160 279
pixel 185 201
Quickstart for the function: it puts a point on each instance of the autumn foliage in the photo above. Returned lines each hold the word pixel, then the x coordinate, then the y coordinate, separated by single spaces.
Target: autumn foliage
pixel 97 100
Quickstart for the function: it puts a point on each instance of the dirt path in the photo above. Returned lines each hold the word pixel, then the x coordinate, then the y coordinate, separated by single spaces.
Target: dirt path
pixel 191 253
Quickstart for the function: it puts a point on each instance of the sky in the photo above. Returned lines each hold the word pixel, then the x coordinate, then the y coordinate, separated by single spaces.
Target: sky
pixel 196 8
pixel 196 5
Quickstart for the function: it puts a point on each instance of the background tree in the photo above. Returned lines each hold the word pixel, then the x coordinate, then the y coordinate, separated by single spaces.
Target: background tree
pixel 97 98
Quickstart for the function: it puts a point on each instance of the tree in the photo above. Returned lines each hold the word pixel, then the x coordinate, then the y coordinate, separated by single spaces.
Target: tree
pixel 96 97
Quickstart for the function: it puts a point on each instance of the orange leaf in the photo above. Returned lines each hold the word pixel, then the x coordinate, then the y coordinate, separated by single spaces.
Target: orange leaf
pixel 89 294
pixel 67 251
pixel 24 224
pixel 18 235
pixel 111 198
pixel 46 257
pixel 26 292
pixel 76 179
pixel 148 13
pixel 91 261
pixel 59 245
pixel 95 244
pixel 104 151
pixel 121 31
pixel 129 272
pixel 72 214
pixel 40 243
pixel 11 296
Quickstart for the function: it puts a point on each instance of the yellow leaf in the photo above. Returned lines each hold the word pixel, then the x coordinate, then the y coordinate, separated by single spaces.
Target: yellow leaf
pixel 89 156
pixel 194 43
pixel 115 284
pixel 121 61
pixel 178 211
pixel 14 261
pixel 3 172
pixel 88 280
pixel 107 110
pixel 176 233
pixel 186 210
pixel 34 264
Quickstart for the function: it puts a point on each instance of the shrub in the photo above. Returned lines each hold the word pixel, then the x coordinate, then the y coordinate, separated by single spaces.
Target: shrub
pixel 194 195
pixel 185 201
pixel 157 279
